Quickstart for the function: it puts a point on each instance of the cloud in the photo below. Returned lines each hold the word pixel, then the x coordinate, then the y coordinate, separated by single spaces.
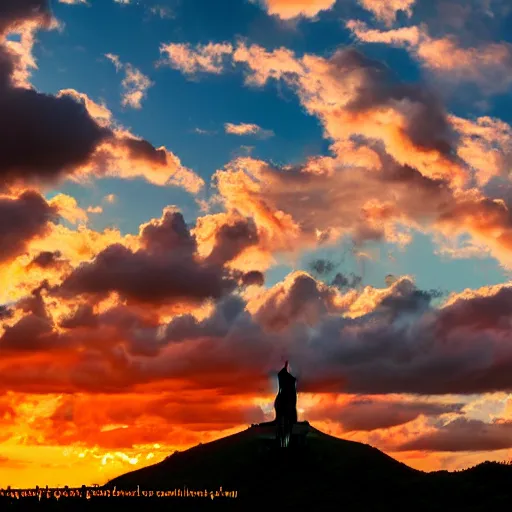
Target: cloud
pixel 298 299
pixel 253 278
pixel 387 11
pixel 201 131
pixel 323 205
pixel 370 116
pixel 63 138
pixel 115 60
pixel 235 237
pixel 489 65
pixel 248 129
pixel 353 95
pixel 322 266
pixel 74 2
pixel 288 9
pixel 135 84
pixel 322 200
pixel 368 414
pixel 8 462
pixel 486 145
pixel 462 435
pixel 68 208
pixel 130 157
pixel 50 138
pixel 22 219
pixel 163 270
pixel 340 280
pixel 14 13
pixel 99 112
pixel 209 58
pixel 367 341
pixel 231 239
pixel 47 259
pixel 93 419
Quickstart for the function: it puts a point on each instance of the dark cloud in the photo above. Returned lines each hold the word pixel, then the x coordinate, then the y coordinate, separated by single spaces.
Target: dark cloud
pixel 232 239
pixel 416 349
pixel 44 138
pixel 470 20
pixel 35 330
pixel 15 12
pixel 5 312
pixel 83 316
pixel 342 281
pixel 464 435
pixel 401 345
pixel 305 301
pixel 427 124
pixel 477 314
pixel 141 276
pixel 168 235
pixel 228 314
pixel 47 259
pixel 369 414
pixel 34 303
pixel 31 333
pixel 22 219
pixel 407 299
pixel 253 278
pixel 165 270
pixel 322 266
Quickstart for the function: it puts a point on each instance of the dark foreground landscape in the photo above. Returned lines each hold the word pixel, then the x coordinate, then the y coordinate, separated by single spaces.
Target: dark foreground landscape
pixel 316 472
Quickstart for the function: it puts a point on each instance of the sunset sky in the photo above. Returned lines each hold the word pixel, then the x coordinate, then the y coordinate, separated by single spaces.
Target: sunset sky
pixel 193 191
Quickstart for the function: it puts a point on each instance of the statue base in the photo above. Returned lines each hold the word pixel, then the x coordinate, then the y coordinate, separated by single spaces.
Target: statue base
pixel 267 431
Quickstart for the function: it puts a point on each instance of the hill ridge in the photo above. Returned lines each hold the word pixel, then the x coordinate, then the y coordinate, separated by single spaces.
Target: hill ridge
pixel 322 471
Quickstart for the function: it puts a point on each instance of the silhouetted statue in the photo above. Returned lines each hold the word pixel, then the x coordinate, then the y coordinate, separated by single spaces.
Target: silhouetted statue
pixel 286 405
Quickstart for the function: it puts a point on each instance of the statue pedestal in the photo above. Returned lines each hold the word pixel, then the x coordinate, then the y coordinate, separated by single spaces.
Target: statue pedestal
pixel 267 432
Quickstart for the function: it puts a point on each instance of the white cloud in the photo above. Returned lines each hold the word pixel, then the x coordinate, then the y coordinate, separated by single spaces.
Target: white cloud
pixel 135 83
pixel 248 129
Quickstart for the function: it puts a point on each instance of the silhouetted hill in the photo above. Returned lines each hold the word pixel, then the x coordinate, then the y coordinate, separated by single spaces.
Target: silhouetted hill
pixel 243 460
pixel 325 473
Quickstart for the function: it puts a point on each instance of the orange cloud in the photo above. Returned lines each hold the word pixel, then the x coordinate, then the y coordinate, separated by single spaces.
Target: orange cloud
pixel 208 58
pixel 99 112
pixel 371 413
pixel 488 65
pixel 486 145
pixel 130 157
pixel 355 96
pixel 135 84
pixel 68 208
pixel 23 219
pixel 387 11
pixel 288 9
pixel 247 129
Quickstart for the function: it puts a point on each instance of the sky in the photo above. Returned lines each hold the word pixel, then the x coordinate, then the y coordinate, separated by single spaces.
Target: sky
pixel 193 192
